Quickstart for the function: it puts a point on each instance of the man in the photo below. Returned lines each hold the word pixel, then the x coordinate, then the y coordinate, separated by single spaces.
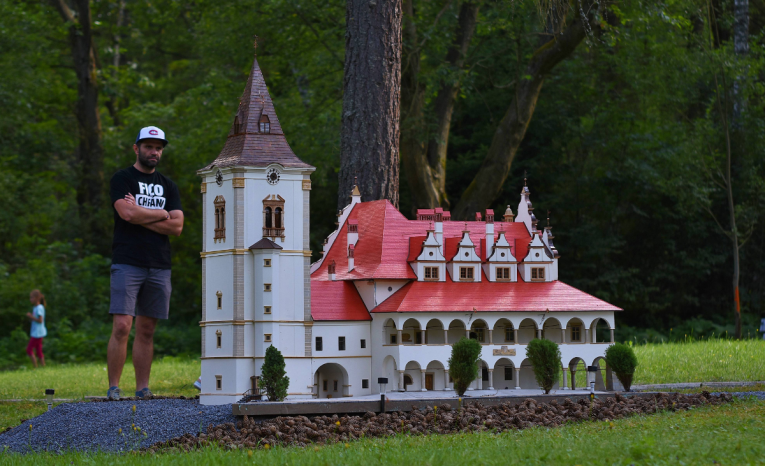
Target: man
pixel 147 208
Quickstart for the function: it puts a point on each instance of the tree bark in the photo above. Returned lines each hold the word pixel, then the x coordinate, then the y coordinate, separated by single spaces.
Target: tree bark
pixel 369 139
pixel 488 182
pixel 741 49
pixel 423 152
pixel 90 154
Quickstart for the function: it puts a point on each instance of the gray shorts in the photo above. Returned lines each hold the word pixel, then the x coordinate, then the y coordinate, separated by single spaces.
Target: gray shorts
pixel 139 291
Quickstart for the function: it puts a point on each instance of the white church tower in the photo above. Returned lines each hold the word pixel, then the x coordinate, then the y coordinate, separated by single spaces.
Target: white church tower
pixel 255 252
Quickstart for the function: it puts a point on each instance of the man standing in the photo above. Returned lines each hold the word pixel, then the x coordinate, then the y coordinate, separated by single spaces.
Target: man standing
pixel 147 208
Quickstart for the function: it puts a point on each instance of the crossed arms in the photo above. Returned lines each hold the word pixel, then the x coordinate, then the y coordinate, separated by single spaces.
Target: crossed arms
pixel 156 220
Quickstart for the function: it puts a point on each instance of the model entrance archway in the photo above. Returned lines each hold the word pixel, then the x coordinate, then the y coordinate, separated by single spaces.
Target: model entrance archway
pixel 331 381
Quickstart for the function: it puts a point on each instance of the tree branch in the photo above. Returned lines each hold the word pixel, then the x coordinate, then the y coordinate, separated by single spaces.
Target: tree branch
pixel 64 10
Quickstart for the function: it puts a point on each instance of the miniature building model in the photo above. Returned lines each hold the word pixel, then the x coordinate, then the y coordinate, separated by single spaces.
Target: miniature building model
pixel 389 295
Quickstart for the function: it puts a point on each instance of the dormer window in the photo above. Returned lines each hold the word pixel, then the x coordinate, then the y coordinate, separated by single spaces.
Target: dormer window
pixel 273 216
pixel 466 273
pixel 220 219
pixel 237 125
pixel 537 274
pixel 265 124
pixel 431 273
pixel 503 274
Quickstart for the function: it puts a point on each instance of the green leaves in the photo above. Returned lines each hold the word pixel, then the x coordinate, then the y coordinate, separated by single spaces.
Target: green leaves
pixel 463 368
pixel 545 357
pixel 273 376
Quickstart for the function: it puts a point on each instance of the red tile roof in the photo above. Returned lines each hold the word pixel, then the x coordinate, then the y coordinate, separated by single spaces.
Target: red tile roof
pixel 452 296
pixel 338 300
pixel 248 146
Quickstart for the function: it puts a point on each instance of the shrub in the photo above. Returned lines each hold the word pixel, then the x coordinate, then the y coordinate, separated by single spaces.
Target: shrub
pixel 273 376
pixel 463 363
pixel 545 357
pixel 622 360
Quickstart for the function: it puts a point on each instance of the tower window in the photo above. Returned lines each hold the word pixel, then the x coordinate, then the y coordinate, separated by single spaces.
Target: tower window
pixel 219 295
pixel 264 124
pixel 218 338
pixel 266 309
pixel 273 216
pixel 219 382
pixel 363 344
pixel 341 343
pixel 266 287
pixel 267 338
pixel 319 344
pixel 266 262
pixel 220 219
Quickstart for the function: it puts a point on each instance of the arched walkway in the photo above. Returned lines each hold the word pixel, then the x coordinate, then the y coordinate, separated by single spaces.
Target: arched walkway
pixel 390 371
pixel 602 375
pixel 411 333
pixel 577 369
pixel 479 331
pixel 331 380
pixel 435 376
pixel 504 374
pixel 434 332
pixel 484 377
pixel 551 330
pixel 390 334
pixel 456 331
pixel 575 331
pixel 412 369
pixel 527 379
pixel 601 331
pixel 527 331
pixel 504 332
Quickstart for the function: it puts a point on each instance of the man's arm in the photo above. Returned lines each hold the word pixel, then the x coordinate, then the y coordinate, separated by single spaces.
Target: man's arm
pixel 171 226
pixel 138 215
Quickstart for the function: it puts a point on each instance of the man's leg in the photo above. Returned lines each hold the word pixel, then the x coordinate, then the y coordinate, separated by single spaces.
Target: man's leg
pixel 116 352
pixel 143 350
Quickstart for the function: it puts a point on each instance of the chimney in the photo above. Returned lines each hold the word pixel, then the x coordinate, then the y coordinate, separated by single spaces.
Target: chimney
pixel 489 233
pixel 350 257
pixel 331 270
pixel 478 216
pixel 355 193
pixel 439 228
pixel 353 232
pixel 447 216
pixel 508 217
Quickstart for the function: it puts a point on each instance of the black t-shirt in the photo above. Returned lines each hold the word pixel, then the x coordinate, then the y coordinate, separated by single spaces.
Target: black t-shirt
pixel 134 244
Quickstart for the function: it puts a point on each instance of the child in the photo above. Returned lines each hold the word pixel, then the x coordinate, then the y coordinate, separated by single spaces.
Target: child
pixel 38 331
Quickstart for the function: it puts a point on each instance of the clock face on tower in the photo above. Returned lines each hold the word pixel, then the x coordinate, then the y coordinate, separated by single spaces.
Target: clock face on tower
pixel 272 176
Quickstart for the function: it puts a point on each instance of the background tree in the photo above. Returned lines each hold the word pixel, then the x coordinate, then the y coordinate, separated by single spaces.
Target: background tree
pixel 463 363
pixel 545 357
pixel 89 167
pixel 369 136
pixel 273 377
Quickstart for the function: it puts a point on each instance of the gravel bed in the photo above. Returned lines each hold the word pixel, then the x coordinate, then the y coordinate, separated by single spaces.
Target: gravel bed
pixel 92 426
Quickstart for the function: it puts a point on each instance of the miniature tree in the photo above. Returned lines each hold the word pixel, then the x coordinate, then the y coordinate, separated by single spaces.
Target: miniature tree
pixel 622 360
pixel 545 357
pixel 273 376
pixel 463 364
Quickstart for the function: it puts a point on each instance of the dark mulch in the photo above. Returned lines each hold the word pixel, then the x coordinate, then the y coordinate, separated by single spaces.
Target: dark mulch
pixel 153 397
pixel 444 419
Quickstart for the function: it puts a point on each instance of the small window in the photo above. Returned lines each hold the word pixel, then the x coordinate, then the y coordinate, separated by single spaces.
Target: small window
pixel 267 338
pixel 394 339
pixel 466 273
pixel 319 344
pixel 220 219
pixel 509 334
pixel 341 343
pixel 576 333
pixel 218 338
pixel 334 385
pixel 509 372
pixel 363 344
pixel 264 124
pixel 220 299
pixel 219 382
pixel 266 309
pixel 431 273
pixel 324 385
pixel 266 287
pixel 266 262
pixel 418 337
pixel 364 383
pixel 503 273
pixel 538 273
pixel 479 333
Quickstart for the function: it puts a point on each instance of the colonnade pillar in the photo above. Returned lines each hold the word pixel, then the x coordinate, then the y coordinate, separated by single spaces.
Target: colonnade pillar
pixel 517 378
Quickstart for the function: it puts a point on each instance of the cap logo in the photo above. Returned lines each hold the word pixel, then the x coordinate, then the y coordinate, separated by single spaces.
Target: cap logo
pixel 153 132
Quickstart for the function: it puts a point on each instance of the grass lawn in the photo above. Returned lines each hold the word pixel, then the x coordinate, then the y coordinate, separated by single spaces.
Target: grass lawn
pixel 729 434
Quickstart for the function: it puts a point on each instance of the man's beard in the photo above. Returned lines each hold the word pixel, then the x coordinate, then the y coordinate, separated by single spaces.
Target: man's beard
pixel 145 161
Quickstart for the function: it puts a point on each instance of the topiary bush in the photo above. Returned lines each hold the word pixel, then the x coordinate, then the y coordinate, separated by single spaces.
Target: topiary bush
pixel 622 360
pixel 273 377
pixel 545 357
pixel 463 363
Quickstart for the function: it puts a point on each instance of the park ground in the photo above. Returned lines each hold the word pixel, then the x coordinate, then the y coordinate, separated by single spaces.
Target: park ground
pixel 729 435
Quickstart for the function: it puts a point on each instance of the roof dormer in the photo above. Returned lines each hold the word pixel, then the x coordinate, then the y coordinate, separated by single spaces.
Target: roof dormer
pixel 537 265
pixel 465 266
pixel 430 265
pixel 501 266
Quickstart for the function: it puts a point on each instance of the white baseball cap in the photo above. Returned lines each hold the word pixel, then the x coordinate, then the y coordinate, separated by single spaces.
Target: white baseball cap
pixel 151 132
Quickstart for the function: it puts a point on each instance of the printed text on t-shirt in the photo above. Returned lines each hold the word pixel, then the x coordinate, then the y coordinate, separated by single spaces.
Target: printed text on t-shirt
pixel 150 196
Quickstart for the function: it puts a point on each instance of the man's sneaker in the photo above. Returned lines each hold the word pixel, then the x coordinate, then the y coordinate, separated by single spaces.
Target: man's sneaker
pixel 145 394
pixel 114 393
pixel 198 384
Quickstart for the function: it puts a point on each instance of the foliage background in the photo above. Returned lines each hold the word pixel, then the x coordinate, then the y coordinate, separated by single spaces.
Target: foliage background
pixel 617 148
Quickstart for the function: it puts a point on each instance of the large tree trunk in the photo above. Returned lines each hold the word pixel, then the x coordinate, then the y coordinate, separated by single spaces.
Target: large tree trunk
pixel 369 139
pixel 488 182
pixel 422 153
pixel 89 162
